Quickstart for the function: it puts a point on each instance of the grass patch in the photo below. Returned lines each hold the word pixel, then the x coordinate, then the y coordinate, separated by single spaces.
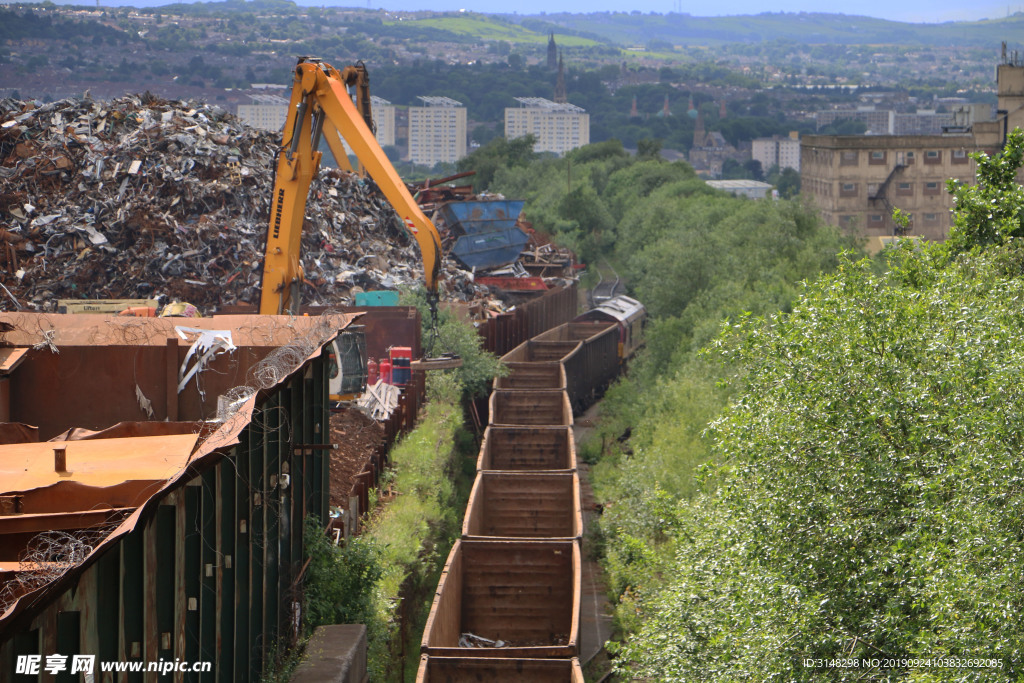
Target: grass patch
pixel 415 532
pixel 487 29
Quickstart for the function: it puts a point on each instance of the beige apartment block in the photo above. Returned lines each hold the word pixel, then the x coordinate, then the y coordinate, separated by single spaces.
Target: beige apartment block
pixel 856 181
pixel 558 126
pixel 777 151
pixel 384 120
pixel 437 131
pixel 267 112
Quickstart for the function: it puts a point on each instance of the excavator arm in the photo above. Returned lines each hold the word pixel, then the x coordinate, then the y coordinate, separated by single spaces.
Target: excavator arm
pixel 357 78
pixel 320 104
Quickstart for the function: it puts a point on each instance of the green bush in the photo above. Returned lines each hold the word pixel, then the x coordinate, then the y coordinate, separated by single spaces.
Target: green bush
pixel 415 530
pixel 479 367
pixel 340 579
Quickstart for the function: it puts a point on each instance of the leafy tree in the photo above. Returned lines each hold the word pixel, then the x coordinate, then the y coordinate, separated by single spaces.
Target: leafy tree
pixel 787 182
pixel 340 580
pixel 991 212
pixel 753 167
pixel 452 335
pixel 649 149
pixel 865 496
pixel 498 153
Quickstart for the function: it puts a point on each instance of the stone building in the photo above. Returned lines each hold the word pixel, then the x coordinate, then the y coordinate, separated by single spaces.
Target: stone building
pixel 710 150
pixel 857 180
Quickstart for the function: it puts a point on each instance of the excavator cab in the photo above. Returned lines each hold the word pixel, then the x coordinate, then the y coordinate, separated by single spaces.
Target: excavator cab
pixel 348 364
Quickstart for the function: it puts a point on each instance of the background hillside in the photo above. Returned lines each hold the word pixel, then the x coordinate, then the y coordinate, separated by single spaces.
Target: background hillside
pixel 806 28
pixel 629 29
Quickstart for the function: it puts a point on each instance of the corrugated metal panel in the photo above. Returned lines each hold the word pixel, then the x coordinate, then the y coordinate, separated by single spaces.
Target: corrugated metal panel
pixel 205 568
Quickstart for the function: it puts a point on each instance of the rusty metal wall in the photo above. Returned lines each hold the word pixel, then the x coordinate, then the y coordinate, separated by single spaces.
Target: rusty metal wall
pixel 506 331
pixel 93 387
pixel 213 573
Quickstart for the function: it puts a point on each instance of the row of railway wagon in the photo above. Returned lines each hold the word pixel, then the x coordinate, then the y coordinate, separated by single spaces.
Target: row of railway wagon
pixel 507 607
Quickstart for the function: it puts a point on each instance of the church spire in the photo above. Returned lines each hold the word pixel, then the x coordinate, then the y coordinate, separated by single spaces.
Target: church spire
pixel 560 95
pixel 552 53
pixel 698 131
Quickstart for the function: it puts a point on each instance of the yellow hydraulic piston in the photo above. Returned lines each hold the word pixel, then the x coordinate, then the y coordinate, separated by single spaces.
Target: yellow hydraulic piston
pixel 320 103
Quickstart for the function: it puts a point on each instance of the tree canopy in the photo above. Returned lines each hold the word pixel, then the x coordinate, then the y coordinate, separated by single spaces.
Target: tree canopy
pixel 863 497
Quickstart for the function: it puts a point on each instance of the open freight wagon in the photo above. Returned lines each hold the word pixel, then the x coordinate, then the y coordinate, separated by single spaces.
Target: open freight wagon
pixel 530 408
pixel 507 599
pixel 531 376
pixel 544 505
pixel 592 365
pixel 527 448
pixel 491 670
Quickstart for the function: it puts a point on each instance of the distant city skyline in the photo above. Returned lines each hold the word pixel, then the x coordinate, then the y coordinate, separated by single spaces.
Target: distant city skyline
pixel 914 11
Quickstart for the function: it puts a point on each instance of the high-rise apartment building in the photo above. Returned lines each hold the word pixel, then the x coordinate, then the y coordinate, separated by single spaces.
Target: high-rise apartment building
pixel 269 112
pixel 558 127
pixel 384 120
pixel 437 131
pixel 777 151
pixel 878 121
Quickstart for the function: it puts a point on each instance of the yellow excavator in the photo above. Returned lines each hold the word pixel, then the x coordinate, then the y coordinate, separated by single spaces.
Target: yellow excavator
pixel 321 107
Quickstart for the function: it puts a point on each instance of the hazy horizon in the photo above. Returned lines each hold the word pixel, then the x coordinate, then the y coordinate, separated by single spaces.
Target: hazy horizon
pixel 913 11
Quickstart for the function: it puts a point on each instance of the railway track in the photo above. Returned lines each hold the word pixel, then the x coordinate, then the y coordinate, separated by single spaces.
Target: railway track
pixel 507 607
pixel 606 288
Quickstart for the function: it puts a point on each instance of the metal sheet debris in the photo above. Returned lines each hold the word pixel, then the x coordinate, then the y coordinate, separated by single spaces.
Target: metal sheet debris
pixel 208 344
pixel 379 401
pixel 146 198
pixel 473 640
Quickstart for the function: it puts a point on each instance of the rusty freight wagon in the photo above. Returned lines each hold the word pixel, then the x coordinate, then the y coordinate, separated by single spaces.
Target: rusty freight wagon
pixel 539 351
pixel 476 669
pixel 592 365
pixel 507 599
pixel 548 407
pixel 531 376
pixel 543 505
pixel 527 448
pixel 507 606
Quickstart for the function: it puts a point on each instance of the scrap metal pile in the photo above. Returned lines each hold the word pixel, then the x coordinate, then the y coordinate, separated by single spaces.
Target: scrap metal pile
pixel 149 198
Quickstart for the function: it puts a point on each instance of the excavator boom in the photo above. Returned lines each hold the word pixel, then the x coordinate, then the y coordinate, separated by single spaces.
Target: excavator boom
pixel 320 104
